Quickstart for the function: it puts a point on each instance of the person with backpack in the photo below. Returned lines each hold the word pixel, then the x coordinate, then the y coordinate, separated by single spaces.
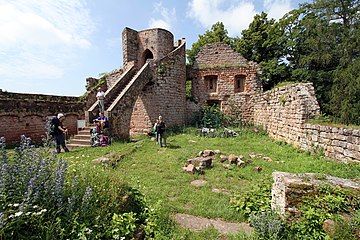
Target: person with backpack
pixel 160 132
pixel 58 132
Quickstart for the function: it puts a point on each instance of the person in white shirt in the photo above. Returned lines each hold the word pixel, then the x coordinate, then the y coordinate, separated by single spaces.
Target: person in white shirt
pixel 101 96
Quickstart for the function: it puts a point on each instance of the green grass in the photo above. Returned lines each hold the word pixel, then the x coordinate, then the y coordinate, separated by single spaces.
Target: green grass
pixel 158 174
pixel 328 122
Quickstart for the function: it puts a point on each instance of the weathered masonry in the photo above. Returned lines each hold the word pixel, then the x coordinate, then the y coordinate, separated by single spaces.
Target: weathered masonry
pixel 27 114
pixel 151 82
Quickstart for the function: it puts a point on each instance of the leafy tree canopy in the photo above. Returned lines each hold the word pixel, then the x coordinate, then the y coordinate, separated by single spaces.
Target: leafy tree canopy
pixel 318 42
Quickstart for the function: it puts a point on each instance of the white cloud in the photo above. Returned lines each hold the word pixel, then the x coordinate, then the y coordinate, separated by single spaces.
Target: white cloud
pixel 166 19
pixel 236 15
pixel 29 66
pixel 277 8
pixel 39 39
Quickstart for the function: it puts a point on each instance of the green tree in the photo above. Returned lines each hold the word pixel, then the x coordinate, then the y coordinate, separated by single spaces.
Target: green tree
pixel 259 42
pixel 345 94
pixel 321 38
pixel 263 43
pixel 218 33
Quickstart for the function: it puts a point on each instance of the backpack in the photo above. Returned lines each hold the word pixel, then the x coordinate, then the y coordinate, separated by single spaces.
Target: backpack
pixel 104 140
pixel 52 127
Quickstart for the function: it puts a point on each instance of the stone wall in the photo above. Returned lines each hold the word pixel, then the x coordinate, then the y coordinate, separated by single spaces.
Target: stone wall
pixel 164 95
pixel 218 55
pixel 113 76
pixel 284 112
pixel 130 45
pixel 121 109
pixel 288 189
pixel 158 41
pixel 336 142
pixel 28 113
pixel 223 63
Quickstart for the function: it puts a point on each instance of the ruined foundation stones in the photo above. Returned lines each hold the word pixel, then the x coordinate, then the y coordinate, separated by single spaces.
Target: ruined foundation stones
pixel 288 188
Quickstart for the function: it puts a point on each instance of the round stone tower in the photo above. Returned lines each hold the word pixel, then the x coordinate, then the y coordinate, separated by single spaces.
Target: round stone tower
pixel 147 44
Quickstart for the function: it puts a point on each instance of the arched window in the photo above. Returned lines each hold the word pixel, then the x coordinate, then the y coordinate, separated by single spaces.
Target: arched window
pixel 239 83
pixel 147 55
pixel 211 83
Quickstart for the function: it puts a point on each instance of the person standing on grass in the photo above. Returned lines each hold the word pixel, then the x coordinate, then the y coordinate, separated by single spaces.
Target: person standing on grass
pixel 59 132
pixel 160 132
pixel 100 97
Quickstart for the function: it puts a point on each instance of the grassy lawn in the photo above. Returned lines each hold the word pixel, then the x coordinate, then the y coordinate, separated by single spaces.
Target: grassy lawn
pixel 157 172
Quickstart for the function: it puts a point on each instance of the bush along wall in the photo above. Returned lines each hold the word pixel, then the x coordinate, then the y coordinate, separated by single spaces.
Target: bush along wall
pixel 41 199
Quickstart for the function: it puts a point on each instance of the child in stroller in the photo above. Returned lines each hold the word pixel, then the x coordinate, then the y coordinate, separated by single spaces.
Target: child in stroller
pixel 99 136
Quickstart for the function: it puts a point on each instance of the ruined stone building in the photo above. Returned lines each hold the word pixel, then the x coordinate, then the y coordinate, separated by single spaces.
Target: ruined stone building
pixel 223 77
pixel 151 82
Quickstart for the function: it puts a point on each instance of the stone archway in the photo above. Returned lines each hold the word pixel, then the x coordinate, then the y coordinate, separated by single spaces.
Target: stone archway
pixel 147 54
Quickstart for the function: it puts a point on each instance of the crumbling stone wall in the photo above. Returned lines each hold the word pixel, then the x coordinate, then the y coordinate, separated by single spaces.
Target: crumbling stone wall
pixel 336 142
pixel 27 114
pixel 288 189
pixel 284 113
pixel 221 61
pixel 218 55
pixel 113 76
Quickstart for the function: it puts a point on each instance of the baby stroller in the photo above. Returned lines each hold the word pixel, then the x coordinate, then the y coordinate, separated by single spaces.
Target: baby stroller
pixel 98 138
pixel 94 138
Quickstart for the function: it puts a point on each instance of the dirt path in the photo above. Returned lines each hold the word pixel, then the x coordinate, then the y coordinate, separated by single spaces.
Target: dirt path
pixel 199 223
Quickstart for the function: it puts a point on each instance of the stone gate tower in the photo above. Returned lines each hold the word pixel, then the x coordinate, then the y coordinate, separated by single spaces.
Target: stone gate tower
pixel 147 44
pixel 150 83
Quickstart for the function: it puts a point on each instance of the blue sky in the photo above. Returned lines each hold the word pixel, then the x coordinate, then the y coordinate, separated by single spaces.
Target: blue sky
pixel 51 46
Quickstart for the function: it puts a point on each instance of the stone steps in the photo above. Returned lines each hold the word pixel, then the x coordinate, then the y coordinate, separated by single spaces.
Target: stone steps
pixel 82 136
pixel 82 139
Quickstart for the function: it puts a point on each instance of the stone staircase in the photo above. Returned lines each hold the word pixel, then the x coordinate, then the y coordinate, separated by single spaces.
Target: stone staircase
pixel 119 97
pixel 82 139
pixel 113 92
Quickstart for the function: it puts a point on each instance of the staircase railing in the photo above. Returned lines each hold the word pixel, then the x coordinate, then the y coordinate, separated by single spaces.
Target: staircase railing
pixel 113 91
pixel 137 76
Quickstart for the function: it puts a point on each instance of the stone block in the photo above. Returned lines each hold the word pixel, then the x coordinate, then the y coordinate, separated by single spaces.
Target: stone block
pixel 258 169
pixel 223 158
pixel 190 168
pixel 201 162
pixel 207 153
pixel 232 159
pixel 289 188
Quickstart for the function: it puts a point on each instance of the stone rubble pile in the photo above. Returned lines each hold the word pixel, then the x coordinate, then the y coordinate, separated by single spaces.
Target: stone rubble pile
pixel 200 163
pixel 205 158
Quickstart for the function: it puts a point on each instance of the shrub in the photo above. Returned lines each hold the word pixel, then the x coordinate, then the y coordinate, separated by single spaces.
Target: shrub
pixel 268 225
pixel 41 199
pixel 345 229
pixel 210 116
pixel 326 204
pixel 254 201
pixel 309 226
